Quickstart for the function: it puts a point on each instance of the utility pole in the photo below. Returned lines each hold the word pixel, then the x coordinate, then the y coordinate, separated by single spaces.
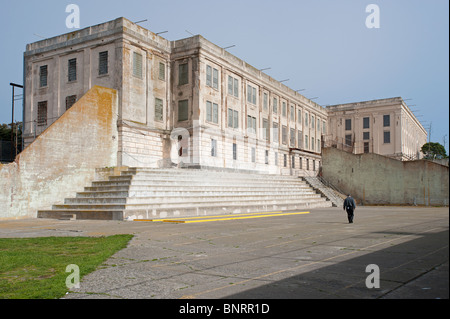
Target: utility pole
pixel 13 149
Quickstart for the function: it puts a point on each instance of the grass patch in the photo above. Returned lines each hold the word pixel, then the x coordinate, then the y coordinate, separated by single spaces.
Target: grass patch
pixel 35 268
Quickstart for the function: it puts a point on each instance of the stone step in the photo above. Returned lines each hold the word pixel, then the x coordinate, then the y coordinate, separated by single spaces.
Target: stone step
pixel 156 199
pixel 189 193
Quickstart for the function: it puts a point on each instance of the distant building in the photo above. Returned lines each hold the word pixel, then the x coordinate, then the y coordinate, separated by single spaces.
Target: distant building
pixel 386 127
pixel 187 101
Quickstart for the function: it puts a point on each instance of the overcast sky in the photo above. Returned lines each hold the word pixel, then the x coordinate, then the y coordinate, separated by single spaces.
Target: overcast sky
pixel 322 46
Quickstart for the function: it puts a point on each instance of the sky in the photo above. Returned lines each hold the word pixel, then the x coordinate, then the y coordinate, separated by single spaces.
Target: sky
pixel 323 47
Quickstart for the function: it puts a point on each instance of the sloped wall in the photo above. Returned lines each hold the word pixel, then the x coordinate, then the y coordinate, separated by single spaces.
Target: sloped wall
pixel 375 179
pixel 63 159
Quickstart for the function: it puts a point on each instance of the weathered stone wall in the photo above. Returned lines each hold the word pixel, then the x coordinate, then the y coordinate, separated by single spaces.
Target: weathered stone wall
pixel 375 179
pixel 63 159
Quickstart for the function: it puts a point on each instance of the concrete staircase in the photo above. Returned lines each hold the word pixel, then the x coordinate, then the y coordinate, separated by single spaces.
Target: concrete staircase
pixel 142 193
pixel 336 198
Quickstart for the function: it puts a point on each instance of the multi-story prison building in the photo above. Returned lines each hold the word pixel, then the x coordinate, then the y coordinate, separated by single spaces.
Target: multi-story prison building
pixel 186 102
pixel 386 127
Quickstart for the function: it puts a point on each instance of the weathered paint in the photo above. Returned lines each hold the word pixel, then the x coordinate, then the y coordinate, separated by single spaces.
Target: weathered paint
pixel 63 159
pixel 377 179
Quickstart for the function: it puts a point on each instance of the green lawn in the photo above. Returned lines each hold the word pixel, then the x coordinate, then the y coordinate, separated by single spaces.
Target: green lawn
pixel 35 268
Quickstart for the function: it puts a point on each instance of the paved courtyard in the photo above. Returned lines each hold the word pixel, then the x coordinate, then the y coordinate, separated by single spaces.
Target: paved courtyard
pixel 313 255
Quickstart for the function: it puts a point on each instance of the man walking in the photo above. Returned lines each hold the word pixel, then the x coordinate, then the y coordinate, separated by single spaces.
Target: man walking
pixel 350 206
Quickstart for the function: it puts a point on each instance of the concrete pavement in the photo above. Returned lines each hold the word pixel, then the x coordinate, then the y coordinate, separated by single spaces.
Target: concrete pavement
pixel 300 256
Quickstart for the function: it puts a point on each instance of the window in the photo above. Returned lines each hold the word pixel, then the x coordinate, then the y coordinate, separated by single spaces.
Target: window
pixel 266 158
pixel 306 119
pixel 306 141
pixel 323 127
pixel 348 124
pixel 266 129
pixel 284 134
pixel 293 161
pixel 276 138
pixel 159 111
pixel 292 137
pixel 275 105
pixel 212 77
pixel 284 160
pixel 72 70
pixel 366 135
pixel 162 71
pixel 42 113
pixel 234 151
pixel 292 115
pixel 276 158
pixel 299 138
pixel 318 125
pixel 312 143
pixel 183 110
pixel 366 147
pixel 183 74
pixel 213 147
pixel 233 86
pixel 233 118
pixel 103 63
pixel 386 120
pixel 366 122
pixel 70 100
pixel 137 65
pixel 212 112
pixel 299 116
pixel 251 124
pixel 43 76
pixel 284 110
pixel 312 121
pixel 348 140
pixel 301 163
pixel 251 94
pixel 318 145
pixel 215 79
pixel 253 155
pixel 387 137
pixel 265 102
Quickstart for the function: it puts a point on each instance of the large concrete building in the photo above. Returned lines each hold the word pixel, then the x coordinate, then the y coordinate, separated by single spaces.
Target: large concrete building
pixel 187 101
pixel 191 102
pixel 385 127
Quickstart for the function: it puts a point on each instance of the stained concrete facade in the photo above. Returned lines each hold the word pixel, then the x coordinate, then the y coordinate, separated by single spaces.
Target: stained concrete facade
pixel 187 101
pixel 385 127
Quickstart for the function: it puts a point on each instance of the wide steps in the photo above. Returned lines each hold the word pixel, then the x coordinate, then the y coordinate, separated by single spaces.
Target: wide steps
pixel 140 193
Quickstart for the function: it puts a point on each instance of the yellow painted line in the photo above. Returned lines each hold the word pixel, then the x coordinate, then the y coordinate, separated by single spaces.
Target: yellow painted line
pixel 206 216
pixel 231 218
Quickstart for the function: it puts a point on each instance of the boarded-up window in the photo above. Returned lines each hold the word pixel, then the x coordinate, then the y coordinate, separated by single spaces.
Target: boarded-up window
pixel 103 63
pixel 213 147
pixel 70 100
pixel 42 113
pixel 159 111
pixel 43 76
pixel 183 74
pixel 72 70
pixel 137 65
pixel 183 110
pixel 162 71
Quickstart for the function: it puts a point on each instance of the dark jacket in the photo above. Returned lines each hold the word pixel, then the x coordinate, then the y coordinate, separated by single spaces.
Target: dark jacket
pixel 349 203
